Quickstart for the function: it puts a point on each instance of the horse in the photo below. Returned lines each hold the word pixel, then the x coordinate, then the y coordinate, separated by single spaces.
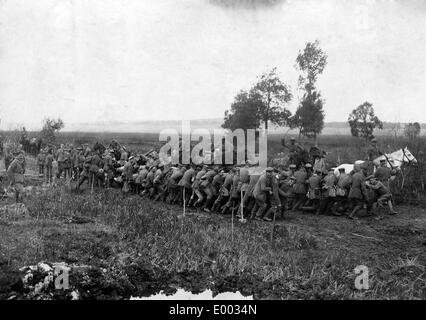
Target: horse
pixel 394 160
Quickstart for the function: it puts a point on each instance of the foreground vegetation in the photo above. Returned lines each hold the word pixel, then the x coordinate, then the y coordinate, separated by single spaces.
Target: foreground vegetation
pixel 139 247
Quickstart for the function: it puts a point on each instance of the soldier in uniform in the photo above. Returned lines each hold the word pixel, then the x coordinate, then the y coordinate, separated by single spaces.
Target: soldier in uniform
pixel 15 174
pixel 382 194
pixel 48 163
pixel 185 184
pixel 328 192
pixel 314 192
pixel 383 173
pixel 299 187
pixel 196 191
pixel 358 191
pixel 41 158
pixel 265 187
pixel 294 148
pixel 60 158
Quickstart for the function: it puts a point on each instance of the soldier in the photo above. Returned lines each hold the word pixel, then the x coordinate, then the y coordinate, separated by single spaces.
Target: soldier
pixel 328 192
pixel 15 174
pixel 87 150
pixel 128 175
pixel 320 162
pixel 314 192
pixel 67 163
pixel 48 163
pixel 224 191
pixel 158 182
pixel 383 173
pixel 266 185
pixel 206 186
pixel 172 183
pixel 185 184
pixel 108 167
pixel 139 181
pixel 358 191
pixel 373 152
pixel 60 158
pixel 80 162
pixel 96 170
pixel 41 158
pixel 289 181
pixel 299 187
pixel 284 191
pixel 294 148
pixel 148 184
pixel 382 194
pixel 196 188
pixel 85 174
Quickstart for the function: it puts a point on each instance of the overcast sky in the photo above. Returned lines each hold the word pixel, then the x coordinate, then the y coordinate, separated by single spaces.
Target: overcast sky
pixel 187 59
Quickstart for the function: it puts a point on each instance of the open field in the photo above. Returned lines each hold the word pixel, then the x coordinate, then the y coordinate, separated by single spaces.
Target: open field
pixel 136 247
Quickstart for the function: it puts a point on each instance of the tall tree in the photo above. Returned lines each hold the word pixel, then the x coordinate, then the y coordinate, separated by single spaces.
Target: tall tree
pixel 274 94
pixel 363 121
pixel 309 117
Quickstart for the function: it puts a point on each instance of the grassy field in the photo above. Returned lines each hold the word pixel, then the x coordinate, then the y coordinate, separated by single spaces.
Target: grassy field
pixel 136 247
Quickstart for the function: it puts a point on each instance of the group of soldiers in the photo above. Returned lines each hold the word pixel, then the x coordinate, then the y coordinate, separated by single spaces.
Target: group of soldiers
pixel 241 189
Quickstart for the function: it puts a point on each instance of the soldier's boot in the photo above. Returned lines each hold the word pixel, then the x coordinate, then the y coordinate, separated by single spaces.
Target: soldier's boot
pixel 206 206
pixel 354 211
pixel 391 209
pixel 260 212
pixel 215 205
pixel 269 214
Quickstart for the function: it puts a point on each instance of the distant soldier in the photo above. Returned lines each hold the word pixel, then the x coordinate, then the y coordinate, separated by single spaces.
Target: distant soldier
pixel 60 158
pixel 294 149
pixel 15 174
pixel 85 174
pixel 108 167
pixel 41 158
pixel 48 163
pixel 128 175
pixel 320 162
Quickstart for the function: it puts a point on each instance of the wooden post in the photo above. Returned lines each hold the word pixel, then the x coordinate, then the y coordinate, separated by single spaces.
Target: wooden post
pixel 273 228
pixel 184 201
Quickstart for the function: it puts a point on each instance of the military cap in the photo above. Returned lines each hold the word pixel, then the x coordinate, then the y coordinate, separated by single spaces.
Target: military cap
pixel 308 165
pixel 293 139
pixel 292 166
pixel 269 169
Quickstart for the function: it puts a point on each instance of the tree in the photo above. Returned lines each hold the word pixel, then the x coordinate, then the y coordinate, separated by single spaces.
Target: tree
pixel 50 128
pixel 244 112
pixel 363 121
pixel 273 94
pixel 412 130
pixel 309 117
pixel 311 62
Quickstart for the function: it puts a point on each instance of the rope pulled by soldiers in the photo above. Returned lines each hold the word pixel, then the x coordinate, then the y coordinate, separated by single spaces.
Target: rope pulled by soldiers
pixel 221 189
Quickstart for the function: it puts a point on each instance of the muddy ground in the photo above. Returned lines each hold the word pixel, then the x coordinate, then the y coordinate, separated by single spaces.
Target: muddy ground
pixel 120 246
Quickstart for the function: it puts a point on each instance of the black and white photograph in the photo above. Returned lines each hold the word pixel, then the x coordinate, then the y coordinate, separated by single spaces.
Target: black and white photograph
pixel 228 151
